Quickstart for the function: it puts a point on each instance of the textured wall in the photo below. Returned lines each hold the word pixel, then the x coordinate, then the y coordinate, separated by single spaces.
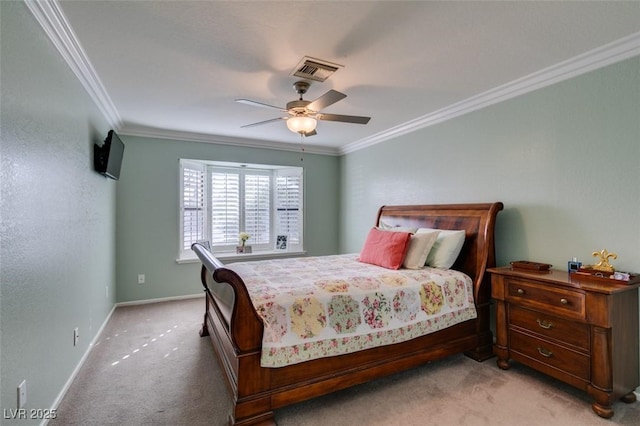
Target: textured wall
pixel 57 263
pixel 564 160
pixel 148 200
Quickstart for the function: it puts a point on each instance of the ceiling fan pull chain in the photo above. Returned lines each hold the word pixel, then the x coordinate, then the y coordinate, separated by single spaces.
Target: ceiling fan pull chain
pixel 301 147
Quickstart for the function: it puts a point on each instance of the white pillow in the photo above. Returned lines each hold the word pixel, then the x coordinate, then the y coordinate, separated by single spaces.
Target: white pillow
pixel 446 249
pixel 386 227
pixel 419 248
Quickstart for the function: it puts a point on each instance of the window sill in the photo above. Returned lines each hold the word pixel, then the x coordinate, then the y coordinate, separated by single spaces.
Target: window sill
pixel 229 257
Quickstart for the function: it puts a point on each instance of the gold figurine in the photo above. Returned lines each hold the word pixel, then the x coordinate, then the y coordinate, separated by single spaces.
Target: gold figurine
pixel 604 264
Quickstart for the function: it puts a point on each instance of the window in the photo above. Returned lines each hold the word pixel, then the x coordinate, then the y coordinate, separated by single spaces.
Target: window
pixel 220 200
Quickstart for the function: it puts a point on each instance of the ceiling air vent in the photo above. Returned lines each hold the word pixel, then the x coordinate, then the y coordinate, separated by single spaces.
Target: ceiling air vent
pixel 315 69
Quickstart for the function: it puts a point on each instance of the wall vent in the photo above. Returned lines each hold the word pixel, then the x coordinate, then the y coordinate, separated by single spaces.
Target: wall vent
pixel 314 69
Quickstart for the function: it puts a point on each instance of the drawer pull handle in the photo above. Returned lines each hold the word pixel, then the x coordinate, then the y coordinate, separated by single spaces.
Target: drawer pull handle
pixel 545 324
pixel 545 352
pixel 520 291
pixel 564 301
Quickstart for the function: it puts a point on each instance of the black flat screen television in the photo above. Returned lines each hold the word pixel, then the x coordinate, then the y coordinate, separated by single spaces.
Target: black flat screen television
pixel 108 157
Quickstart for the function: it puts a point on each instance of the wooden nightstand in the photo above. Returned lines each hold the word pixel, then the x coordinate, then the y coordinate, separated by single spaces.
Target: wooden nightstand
pixel 581 332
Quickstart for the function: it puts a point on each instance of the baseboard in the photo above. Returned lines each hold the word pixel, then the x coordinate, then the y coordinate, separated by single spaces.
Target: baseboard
pixel 75 372
pixel 161 299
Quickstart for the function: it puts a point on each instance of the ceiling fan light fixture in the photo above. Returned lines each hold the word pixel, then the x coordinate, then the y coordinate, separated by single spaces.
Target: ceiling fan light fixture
pixel 302 124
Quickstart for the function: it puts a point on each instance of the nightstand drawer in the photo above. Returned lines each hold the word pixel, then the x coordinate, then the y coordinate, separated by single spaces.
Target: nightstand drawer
pixel 571 362
pixel 553 300
pixel 567 332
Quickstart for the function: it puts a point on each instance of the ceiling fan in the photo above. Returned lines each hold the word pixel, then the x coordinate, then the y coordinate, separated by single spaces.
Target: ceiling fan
pixel 303 115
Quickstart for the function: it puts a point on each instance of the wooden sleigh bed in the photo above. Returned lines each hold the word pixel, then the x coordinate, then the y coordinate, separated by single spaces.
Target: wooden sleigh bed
pixel 236 329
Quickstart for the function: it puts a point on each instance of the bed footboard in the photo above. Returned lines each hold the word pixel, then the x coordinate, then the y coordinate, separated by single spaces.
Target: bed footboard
pixel 246 330
pixel 235 330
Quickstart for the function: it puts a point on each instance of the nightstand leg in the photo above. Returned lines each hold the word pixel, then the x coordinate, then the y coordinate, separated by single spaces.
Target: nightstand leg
pixel 604 412
pixel 629 398
pixel 503 364
pixel 500 348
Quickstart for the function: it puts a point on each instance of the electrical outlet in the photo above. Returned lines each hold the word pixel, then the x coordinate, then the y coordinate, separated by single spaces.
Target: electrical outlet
pixel 76 336
pixel 22 394
pixel 141 279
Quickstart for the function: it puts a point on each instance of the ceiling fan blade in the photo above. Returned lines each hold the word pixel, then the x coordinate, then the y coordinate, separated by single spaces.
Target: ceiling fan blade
pixel 356 119
pixel 260 123
pixel 329 98
pixel 259 104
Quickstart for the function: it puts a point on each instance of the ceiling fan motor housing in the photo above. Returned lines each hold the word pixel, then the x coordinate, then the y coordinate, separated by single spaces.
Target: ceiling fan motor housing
pixel 298 107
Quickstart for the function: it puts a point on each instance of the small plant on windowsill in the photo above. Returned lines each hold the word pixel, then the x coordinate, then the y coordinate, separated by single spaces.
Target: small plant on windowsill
pixel 243 248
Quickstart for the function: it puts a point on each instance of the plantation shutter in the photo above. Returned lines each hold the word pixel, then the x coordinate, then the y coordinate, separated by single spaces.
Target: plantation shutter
pixel 288 208
pixel 225 207
pixel 257 206
pixel 219 200
pixel 193 207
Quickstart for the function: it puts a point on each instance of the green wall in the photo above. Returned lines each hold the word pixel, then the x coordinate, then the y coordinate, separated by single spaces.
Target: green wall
pixel 57 253
pixel 564 160
pixel 147 212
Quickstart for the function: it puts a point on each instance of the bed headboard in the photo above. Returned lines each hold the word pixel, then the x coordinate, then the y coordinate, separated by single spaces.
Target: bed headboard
pixel 477 220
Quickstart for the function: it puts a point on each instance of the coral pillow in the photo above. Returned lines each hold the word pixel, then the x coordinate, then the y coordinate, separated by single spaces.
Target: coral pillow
pixel 385 248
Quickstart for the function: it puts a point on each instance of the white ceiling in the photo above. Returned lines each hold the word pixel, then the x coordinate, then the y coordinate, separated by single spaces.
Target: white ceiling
pixel 174 68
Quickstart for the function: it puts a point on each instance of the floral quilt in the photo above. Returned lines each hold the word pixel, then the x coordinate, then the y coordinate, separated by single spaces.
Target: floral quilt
pixel 314 307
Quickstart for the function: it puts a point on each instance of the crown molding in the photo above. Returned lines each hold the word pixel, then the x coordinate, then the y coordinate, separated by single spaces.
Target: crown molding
pixel 227 140
pixel 619 50
pixel 55 24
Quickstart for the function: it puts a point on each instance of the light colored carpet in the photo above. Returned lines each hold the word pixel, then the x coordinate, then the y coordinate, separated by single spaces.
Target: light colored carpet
pixel 150 367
